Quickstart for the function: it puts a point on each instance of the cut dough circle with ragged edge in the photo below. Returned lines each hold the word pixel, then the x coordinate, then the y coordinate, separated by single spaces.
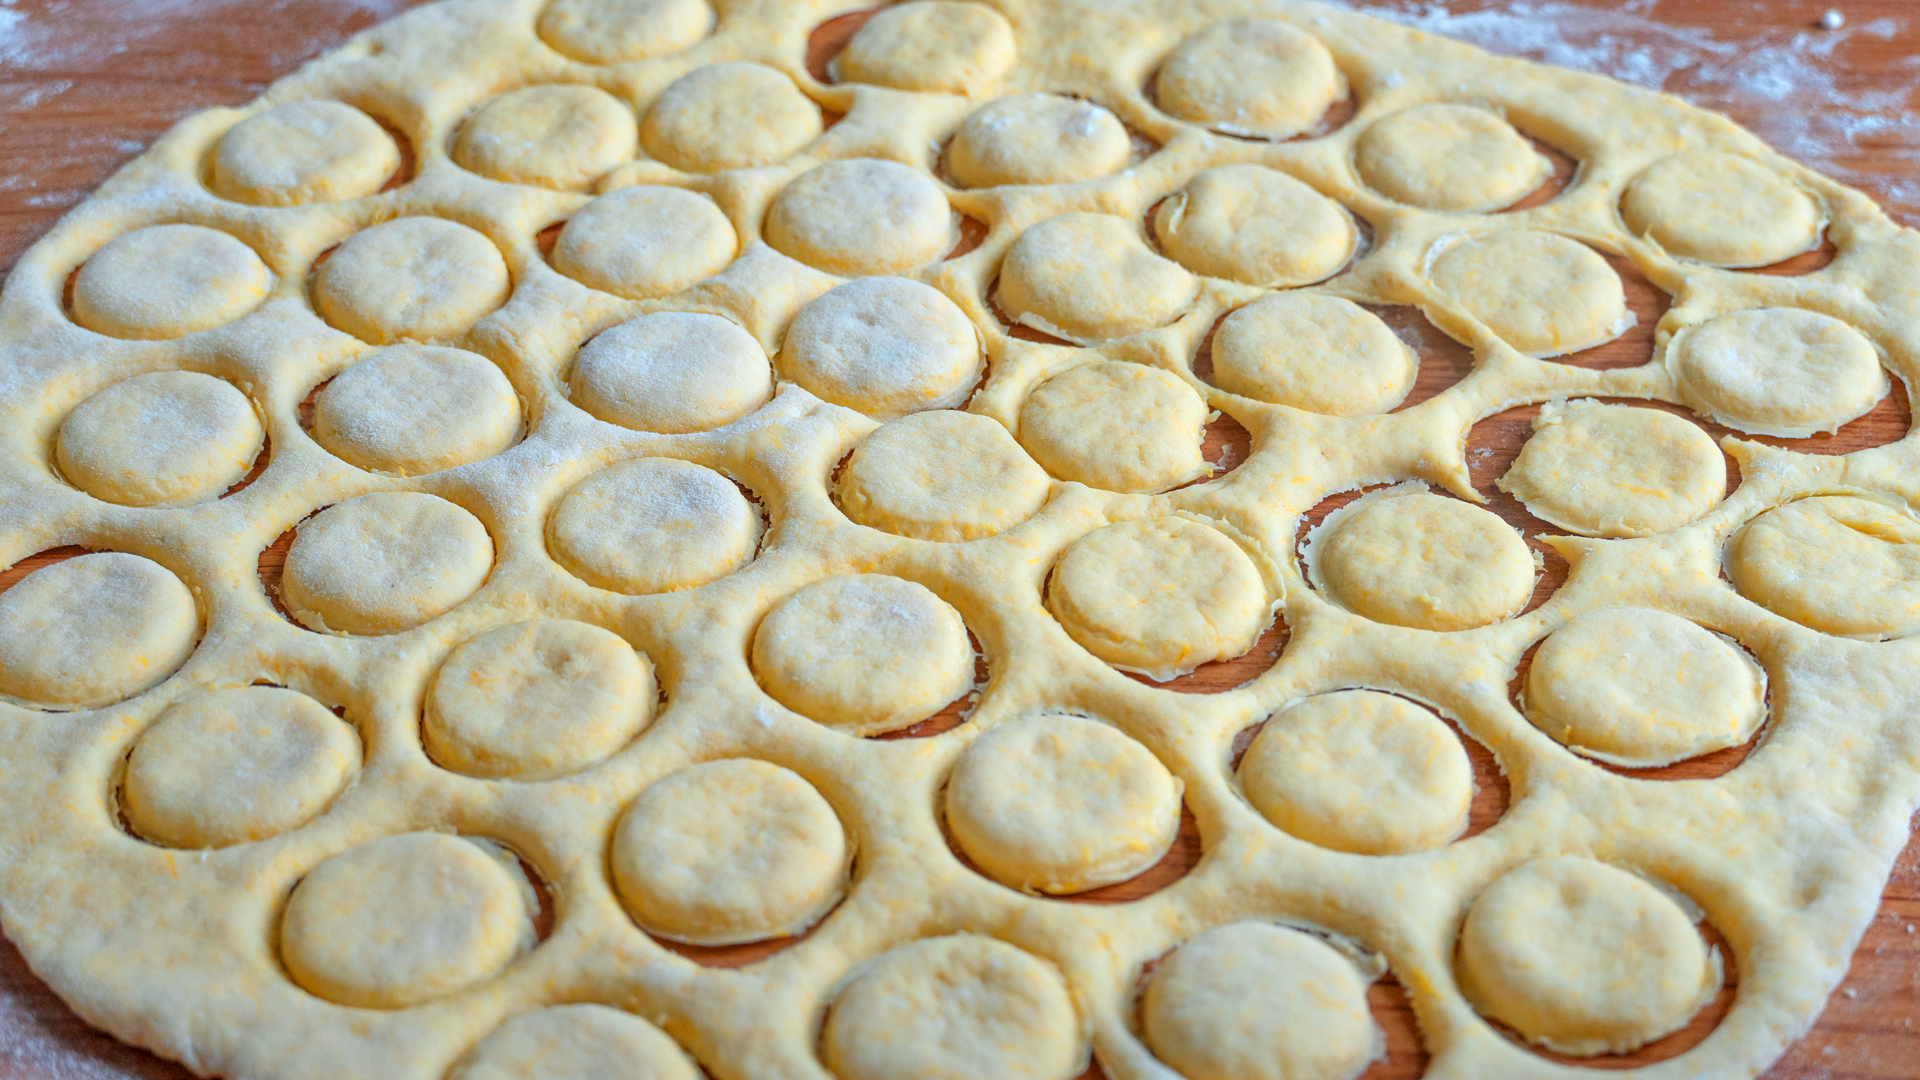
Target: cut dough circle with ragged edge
pixel 383 563
pixel 1037 139
pixel 732 115
pixel 1118 426
pixel 1259 78
pixel 1090 277
pixel 645 242
pixel 861 216
pixel 1315 352
pixel 94 629
pixel 671 372
pixel 1777 371
pixel 610 31
pixel 1412 558
pixel 653 525
pixel 1616 470
pixel 554 136
pixel 413 279
pixel 406 410
pixel 942 475
pixel 1542 293
pixel 1461 158
pixel 1256 226
pixel 581 1041
pixel 1722 209
pixel 943 46
pixel 166 438
pixel 303 152
pixel 885 346
pixel 168 281
pixel 1841 564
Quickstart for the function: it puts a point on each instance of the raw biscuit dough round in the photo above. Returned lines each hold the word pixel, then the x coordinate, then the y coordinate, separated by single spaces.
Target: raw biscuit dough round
pixel 1777 371
pixel 732 115
pixel 406 410
pixel 1116 425
pixel 671 372
pixel 1160 596
pixel 645 242
pixel 861 216
pixel 244 763
pixel 1722 209
pixel 653 525
pixel 728 852
pixel 413 278
pixel 944 475
pixel 554 136
pixel 1616 470
pixel 1251 77
pixel 94 629
pixel 303 152
pixel 1315 352
pixel 1422 560
pixel 167 438
pixel 863 653
pixel 168 281
pixel 886 346
pixel 576 1042
pixel 1037 138
pixel 406 919
pixel 1583 958
pixel 1542 293
pixel 1255 1001
pixel 610 31
pixel 1442 156
pixel 1841 564
pixel 1639 688
pixel 384 562
pixel 1090 277
pixel 933 46
pixel 1360 771
pixel 536 700
pixel 1061 804
pixel 1256 226
pixel 964 1005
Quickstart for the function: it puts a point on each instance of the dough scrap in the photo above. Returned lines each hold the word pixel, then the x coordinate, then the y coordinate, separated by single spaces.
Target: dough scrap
pixel 1090 277
pixel 732 115
pixel 645 242
pixel 94 629
pixel 576 1042
pixel 1722 209
pixel 886 346
pixel 938 46
pixel 944 475
pixel 168 281
pixel 861 216
pixel 414 278
pixel 1841 564
pixel 1037 139
pixel 383 563
pixel 166 438
pixel 1251 77
pixel 1777 371
pixel 653 525
pixel 301 153
pixel 1422 560
pixel 1314 352
pixel 1616 470
pixel 672 372
pixel 406 410
pixel 1542 293
pixel 1440 156
pixel 609 31
pixel 1115 425
pixel 1256 226
pixel 554 136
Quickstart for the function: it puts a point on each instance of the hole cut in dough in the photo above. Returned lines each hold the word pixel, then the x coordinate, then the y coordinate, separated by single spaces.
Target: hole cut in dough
pixel 576 1042
pixel 932 46
pixel 168 281
pixel 555 136
pixel 1255 1001
pixel 406 919
pixel 672 372
pixel 407 410
pixel 1258 78
pixel 228 766
pixel 962 1005
pixel 1319 353
pixel 415 278
pixel 1410 558
pixel 1584 958
pixel 863 653
pixel 1460 158
pixel 732 115
pixel 1256 226
pixel 884 346
pixel 862 216
pixel 1616 470
pixel 1118 426
pixel 1060 805
pixel 610 31
pixel 1542 293
pixel 537 700
pixel 729 852
pixel 1362 772
pixel 301 153
pixel 1091 277
pixel 1037 138
pixel 646 242
pixel 383 563
pixel 1777 371
pixel 653 525
pixel 945 476
pixel 1723 210
pixel 1841 564
pixel 94 629
pixel 167 438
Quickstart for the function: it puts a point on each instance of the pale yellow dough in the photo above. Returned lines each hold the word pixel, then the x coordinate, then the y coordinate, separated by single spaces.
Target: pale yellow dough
pixel 168 281
pixel 1427 561
pixel 1542 293
pixel 610 31
pixel 1840 564
pixel 1251 77
pixel 886 346
pixel 729 851
pixel 1722 209
pixel 1037 139
pixel 413 279
pixel 1256 226
pixel 862 216
pixel 576 1042
pixel 94 629
pixel 733 115
pixel 1118 426
pixel 169 438
pixel 301 153
pixel 645 242
pixel 1449 157
pixel 672 372
pixel 1777 371
pixel 554 136
pixel 383 563
pixel 1090 277
pixel 948 46
pixel 946 476
pixel 413 409
pixel 653 525
pixel 1314 352
pixel 1616 470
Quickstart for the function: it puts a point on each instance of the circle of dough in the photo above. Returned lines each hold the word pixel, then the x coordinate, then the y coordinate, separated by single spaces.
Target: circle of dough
pixel 1116 425
pixel 1091 277
pixel 1423 560
pixel 1255 1001
pixel 556 136
pixel 576 1042
pixel 1037 138
pixel 303 152
pixel 405 410
pixel 1722 209
pixel 671 372
pixel 1360 771
pixel 1840 564
pixel 1256 226
pixel 404 920
pixel 228 766
pixel 1061 804
pixel 728 852
pixel 94 629
pixel 653 525
pixel 886 346
pixel 645 242
pixel 1616 470
pixel 1160 596
pixel 958 1006
pixel 1639 687
pixel 1542 293
pixel 933 46
pixel 168 281
pixel 1442 156
pixel 1777 371
pixel 414 278
pixel 383 563
pixel 1251 77
pixel 945 475
pixel 536 700
pixel 1583 958
pixel 861 216
pixel 733 115
pixel 167 438
pixel 863 653
pixel 1323 354
pixel 610 31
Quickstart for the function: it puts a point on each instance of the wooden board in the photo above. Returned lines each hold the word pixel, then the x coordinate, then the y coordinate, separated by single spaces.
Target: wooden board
pixel 86 84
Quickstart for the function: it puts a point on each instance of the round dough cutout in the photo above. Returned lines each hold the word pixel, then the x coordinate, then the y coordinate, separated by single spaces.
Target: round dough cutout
pixel 1256 226
pixel 645 242
pixel 1840 564
pixel 415 278
pixel 555 136
pixel 671 372
pixel 167 438
pixel 303 152
pixel 1319 353
pixel 653 525
pixel 946 476
pixel 1257 78
pixel 168 281
pixel 1037 138
pixel 1116 425
pixel 1422 560
pixel 383 563
pixel 406 410
pixel 1616 470
pixel 733 115
pixel 1542 293
pixel 1777 371
pixel 1723 210
pixel 94 629
pixel 610 31
pixel 1442 156
pixel 1090 277
pixel 885 346
pixel 576 1042
pixel 933 46
pixel 861 216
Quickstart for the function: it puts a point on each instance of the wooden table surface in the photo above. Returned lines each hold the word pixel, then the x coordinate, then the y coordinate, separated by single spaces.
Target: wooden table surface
pixel 87 84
